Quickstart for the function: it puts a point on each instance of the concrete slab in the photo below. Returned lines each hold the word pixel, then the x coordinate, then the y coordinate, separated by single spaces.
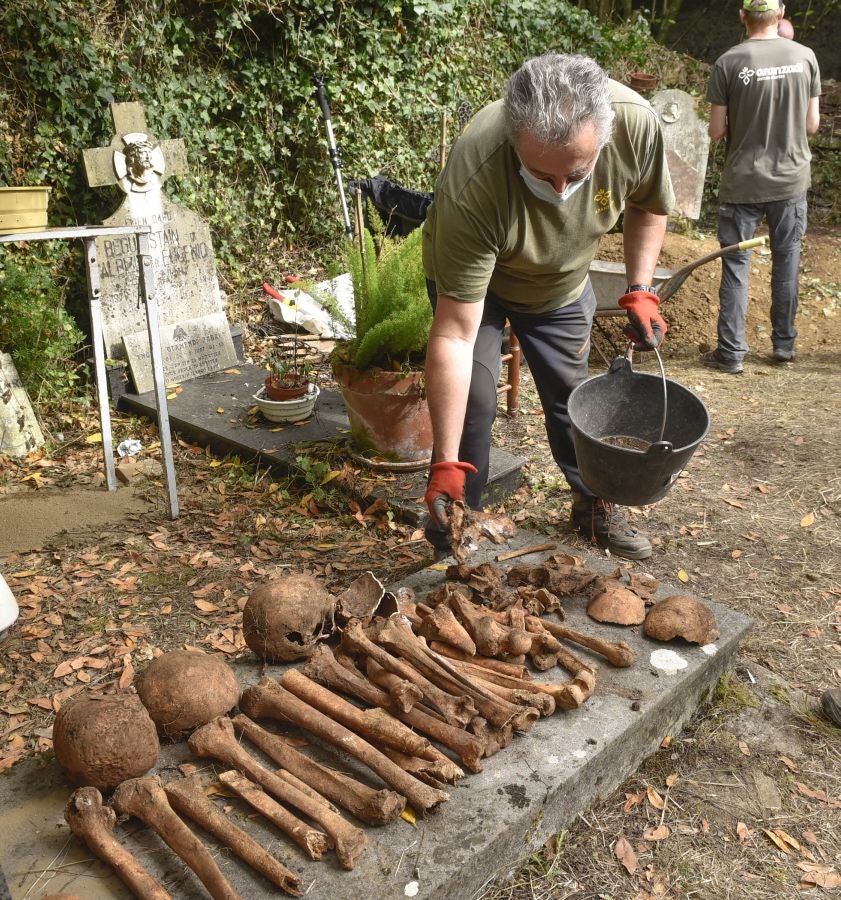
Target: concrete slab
pixel 194 414
pixel 527 792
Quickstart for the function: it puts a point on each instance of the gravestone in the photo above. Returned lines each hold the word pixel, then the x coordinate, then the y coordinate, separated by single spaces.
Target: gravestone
pixel 20 433
pixel 195 335
pixel 687 147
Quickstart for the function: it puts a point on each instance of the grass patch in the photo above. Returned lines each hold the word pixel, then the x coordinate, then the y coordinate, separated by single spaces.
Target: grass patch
pixel 731 695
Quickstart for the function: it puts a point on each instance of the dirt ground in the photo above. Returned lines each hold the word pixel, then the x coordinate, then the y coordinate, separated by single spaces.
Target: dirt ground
pixel 750 793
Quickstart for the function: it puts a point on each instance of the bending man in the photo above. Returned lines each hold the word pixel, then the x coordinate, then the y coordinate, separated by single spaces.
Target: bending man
pixel 529 188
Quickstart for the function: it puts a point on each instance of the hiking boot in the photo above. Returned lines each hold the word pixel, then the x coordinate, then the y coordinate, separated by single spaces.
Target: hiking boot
pixel 602 523
pixel 713 360
pixel 783 356
pixel 831 703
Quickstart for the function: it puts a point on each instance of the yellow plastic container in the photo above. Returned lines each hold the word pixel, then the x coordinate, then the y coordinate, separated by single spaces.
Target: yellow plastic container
pixel 23 209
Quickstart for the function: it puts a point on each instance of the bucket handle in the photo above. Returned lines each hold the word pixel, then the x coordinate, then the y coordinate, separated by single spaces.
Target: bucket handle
pixel 628 356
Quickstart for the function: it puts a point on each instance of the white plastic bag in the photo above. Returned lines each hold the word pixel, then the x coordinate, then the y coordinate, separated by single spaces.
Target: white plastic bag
pixel 302 309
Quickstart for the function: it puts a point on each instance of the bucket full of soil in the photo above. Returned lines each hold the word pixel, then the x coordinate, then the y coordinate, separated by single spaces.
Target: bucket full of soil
pixel 634 432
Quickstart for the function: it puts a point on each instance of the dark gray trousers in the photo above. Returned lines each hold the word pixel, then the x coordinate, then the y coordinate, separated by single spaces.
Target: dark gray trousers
pixel 738 222
pixel 556 346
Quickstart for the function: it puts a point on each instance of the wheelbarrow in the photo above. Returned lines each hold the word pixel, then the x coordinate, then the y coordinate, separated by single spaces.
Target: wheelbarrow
pixel 609 282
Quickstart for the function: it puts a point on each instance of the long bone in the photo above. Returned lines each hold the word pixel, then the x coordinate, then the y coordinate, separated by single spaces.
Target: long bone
pixel 456 710
pixel 187 797
pixel 396 635
pixel 144 798
pixel 217 740
pixel 324 668
pixel 484 662
pixel 617 653
pixel 566 695
pixel 269 700
pixel 93 822
pixel 491 740
pixel 368 805
pixel 440 767
pixel 375 725
pixel 313 842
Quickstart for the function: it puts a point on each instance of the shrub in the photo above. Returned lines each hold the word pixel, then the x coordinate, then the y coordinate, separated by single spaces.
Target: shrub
pixel 36 329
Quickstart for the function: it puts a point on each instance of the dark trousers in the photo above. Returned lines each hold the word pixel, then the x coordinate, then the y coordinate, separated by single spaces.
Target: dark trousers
pixel 556 346
pixel 786 225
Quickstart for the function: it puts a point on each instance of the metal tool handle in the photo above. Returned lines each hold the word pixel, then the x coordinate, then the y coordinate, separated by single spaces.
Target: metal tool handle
pixel 667 288
pixel 335 153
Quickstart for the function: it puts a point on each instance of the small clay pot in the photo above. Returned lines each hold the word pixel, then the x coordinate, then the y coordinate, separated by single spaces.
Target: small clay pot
pixel 276 390
pixel 642 81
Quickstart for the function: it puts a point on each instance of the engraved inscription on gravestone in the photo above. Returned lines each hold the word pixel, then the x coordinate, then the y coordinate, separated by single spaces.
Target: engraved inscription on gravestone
pixel 186 286
pixel 687 148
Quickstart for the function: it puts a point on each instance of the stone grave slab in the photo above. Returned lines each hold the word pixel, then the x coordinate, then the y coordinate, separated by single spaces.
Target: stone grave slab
pixel 188 347
pixel 687 148
pixel 527 792
pixel 194 414
pixel 20 432
pixel 186 285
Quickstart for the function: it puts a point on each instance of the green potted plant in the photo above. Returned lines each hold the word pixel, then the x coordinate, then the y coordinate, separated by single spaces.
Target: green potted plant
pixel 379 369
pixel 289 392
pixel 287 379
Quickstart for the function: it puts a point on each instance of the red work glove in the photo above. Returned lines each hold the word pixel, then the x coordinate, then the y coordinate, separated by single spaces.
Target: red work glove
pixel 446 483
pixel 646 327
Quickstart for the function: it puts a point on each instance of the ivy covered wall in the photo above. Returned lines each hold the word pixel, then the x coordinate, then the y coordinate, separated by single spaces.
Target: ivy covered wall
pixel 233 79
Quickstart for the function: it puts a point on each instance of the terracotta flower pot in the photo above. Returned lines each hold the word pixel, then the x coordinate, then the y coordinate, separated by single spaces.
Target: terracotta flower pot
pixel 642 81
pixel 277 390
pixel 388 413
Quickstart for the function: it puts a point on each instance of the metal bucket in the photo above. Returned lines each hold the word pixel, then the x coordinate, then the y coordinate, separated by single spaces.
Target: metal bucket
pixel 634 433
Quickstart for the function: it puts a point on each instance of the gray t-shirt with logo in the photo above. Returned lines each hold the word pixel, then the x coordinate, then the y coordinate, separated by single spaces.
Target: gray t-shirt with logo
pixel 766 86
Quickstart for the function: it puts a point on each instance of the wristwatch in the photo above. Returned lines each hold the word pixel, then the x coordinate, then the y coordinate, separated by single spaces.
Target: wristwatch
pixel 638 287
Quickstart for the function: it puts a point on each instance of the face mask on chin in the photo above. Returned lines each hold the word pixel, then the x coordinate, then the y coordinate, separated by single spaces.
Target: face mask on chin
pixel 544 191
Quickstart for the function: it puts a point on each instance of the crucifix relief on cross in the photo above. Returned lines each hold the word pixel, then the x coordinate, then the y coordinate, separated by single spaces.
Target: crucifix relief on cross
pixel 134 160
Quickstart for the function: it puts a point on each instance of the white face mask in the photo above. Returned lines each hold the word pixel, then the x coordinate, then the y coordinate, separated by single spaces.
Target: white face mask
pixel 544 191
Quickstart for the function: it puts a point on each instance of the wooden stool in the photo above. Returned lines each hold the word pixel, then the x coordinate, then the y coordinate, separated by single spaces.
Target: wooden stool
pixel 511 388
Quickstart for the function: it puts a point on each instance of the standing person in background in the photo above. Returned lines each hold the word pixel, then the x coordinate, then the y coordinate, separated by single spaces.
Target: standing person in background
pixel 785 30
pixel 764 95
pixel 529 188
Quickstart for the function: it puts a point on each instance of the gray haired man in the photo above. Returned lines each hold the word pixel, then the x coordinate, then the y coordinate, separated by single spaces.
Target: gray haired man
pixel 529 188
pixel 764 94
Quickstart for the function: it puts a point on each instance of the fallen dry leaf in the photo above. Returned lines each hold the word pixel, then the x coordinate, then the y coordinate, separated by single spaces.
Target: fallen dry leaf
pixel 660 833
pixel 206 606
pixel 655 799
pixel 631 801
pixel 672 779
pixel 744 749
pixel 743 831
pixel 807 520
pixel 818 795
pixel 683 575
pixel 777 841
pixel 624 852
pixel 790 764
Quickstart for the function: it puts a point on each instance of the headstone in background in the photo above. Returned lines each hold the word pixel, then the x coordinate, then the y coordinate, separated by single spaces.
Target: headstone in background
pixel 20 433
pixel 687 148
pixel 186 287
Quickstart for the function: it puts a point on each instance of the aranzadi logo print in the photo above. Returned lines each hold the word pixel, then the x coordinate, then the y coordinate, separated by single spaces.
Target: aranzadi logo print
pixel 746 74
pixel 602 200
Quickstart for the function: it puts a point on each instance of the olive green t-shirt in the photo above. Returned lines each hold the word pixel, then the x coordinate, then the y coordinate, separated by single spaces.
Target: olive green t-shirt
pixel 766 86
pixel 486 230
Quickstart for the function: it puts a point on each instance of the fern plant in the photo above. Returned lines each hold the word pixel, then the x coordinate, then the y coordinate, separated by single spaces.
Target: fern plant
pixel 391 306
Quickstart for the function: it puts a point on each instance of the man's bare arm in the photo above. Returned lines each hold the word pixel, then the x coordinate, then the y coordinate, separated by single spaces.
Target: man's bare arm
pixel 813 115
pixel 717 128
pixel 642 238
pixel 449 364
